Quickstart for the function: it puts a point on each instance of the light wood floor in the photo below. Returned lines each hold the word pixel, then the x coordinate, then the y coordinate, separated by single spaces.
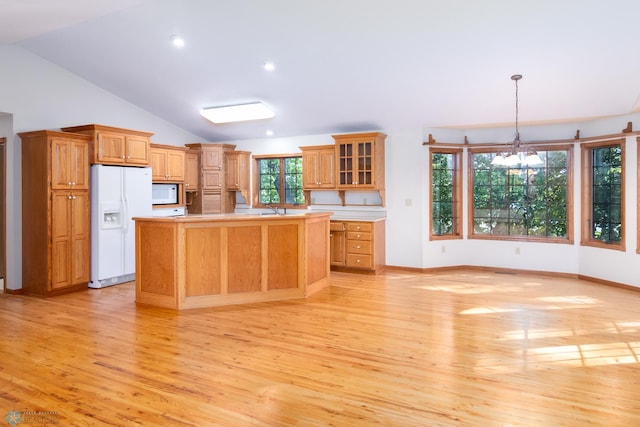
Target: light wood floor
pixel 463 348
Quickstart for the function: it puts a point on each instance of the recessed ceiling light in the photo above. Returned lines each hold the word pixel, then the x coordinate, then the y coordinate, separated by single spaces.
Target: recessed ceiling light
pixel 269 132
pixel 237 113
pixel 269 66
pixel 177 41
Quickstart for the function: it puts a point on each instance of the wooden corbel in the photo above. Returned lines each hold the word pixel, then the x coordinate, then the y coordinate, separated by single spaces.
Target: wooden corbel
pixel 628 128
pixel 429 141
pixel 577 134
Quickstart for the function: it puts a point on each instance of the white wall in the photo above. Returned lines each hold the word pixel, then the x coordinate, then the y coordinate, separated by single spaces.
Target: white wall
pixel 40 95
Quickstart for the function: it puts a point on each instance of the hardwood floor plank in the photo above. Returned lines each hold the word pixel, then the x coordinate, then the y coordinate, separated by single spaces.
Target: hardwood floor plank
pixel 395 349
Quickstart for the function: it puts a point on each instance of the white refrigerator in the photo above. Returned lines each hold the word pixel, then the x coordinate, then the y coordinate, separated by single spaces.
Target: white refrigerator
pixel 117 195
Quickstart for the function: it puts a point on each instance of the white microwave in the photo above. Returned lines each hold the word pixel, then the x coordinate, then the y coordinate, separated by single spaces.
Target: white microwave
pixel 164 194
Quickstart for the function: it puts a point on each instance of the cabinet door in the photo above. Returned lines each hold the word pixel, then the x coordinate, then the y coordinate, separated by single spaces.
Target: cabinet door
pixel 337 249
pixel 175 165
pixel 212 180
pixel 137 150
pixel 233 172
pixel 70 239
pixel 80 237
pixel 326 172
pixel 237 172
pixel 79 165
pixel 212 158
pixel 158 162
pixel 191 172
pixel 310 170
pixel 346 173
pixel 364 163
pixel 60 164
pixel 110 147
pixel 60 240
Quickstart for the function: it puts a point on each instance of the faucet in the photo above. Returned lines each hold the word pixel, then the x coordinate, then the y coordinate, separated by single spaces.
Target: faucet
pixel 273 208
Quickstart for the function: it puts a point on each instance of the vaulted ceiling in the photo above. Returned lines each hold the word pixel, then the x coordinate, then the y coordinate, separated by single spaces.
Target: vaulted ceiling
pixel 345 65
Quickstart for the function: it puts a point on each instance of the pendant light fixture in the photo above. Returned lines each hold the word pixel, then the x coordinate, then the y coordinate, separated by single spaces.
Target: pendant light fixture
pixel 518 153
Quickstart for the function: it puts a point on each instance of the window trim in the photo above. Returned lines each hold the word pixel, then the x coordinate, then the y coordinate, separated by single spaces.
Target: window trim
pixel 256 180
pixel 568 239
pixel 457 193
pixel 587 201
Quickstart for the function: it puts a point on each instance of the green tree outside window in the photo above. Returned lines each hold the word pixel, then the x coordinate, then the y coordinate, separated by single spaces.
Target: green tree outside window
pixel 521 201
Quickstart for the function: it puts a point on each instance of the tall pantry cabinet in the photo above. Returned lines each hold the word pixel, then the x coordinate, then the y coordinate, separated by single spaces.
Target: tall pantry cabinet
pixel 56 217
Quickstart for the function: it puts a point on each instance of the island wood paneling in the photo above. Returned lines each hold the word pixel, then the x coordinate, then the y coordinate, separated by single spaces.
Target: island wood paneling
pixel 203 278
pixel 245 259
pixel 318 256
pixel 215 260
pixel 282 248
pixel 156 247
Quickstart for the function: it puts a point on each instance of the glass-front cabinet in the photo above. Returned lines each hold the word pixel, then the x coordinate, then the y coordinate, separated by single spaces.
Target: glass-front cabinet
pixel 360 159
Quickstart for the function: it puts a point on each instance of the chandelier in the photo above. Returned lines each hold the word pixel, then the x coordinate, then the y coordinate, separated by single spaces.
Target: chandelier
pixel 517 153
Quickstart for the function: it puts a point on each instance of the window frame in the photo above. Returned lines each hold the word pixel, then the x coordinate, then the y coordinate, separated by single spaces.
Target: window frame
pixel 567 239
pixel 457 154
pixel 256 181
pixel 587 198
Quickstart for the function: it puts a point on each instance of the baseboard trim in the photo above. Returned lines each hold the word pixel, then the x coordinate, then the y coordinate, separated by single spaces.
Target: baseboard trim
pixel 514 271
pixel 609 283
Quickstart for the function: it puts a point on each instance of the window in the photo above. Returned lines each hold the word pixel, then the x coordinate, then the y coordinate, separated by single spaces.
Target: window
pixel 279 181
pixel 603 194
pixel 446 193
pixel 522 202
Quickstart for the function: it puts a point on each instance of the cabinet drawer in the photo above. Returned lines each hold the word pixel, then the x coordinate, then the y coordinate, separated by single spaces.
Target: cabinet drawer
pixel 357 235
pixel 359 247
pixel 359 261
pixel 336 226
pixel 360 226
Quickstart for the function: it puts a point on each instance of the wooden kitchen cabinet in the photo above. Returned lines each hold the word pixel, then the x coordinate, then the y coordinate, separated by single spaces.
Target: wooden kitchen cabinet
pixel 237 173
pixel 337 243
pixel 362 248
pixel 56 245
pixel 115 146
pixel 318 167
pixel 191 170
pixel 167 163
pixel 209 195
pixel 360 161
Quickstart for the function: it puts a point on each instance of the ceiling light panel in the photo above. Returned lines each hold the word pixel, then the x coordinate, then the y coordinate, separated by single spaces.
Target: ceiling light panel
pixel 237 113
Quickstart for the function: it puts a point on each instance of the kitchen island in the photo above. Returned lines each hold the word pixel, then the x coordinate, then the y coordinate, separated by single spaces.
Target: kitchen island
pixel 200 261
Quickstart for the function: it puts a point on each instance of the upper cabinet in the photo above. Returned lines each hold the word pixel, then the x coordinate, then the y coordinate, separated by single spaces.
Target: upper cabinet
pixel 115 146
pixel 360 161
pixel 238 172
pixel 191 170
pixel 205 174
pixel 167 163
pixel 318 167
